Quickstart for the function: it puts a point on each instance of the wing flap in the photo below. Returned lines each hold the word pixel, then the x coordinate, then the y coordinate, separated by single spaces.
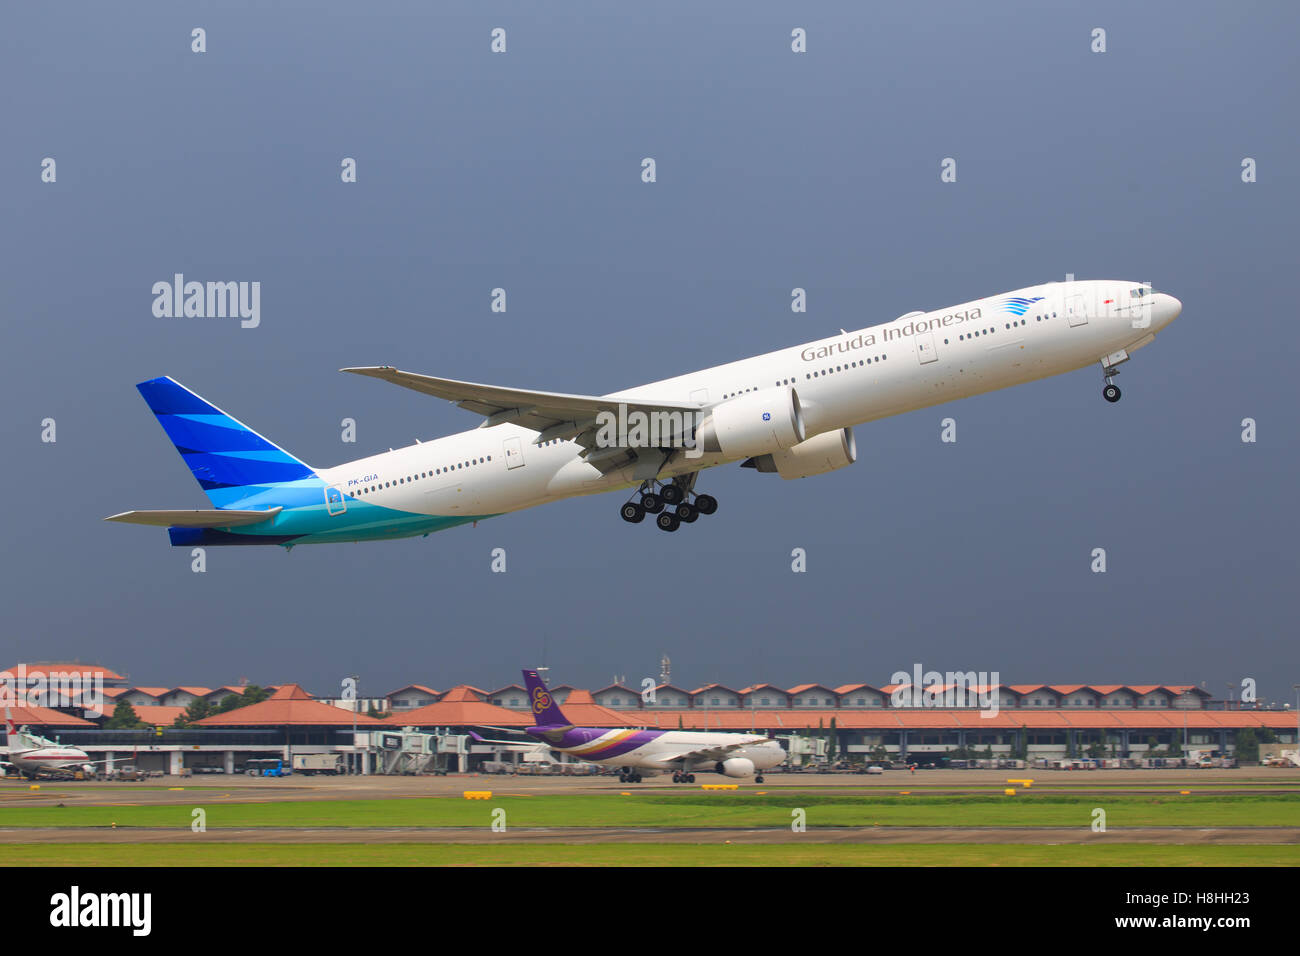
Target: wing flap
pixel 211 518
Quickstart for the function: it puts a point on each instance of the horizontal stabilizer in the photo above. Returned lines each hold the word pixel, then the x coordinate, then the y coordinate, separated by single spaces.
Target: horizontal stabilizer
pixel 215 518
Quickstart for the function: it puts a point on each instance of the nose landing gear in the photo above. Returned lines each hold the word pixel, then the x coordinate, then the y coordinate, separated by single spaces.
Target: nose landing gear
pixel 1111 391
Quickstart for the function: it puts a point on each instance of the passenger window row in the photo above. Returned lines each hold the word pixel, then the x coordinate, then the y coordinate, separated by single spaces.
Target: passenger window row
pixel 379 486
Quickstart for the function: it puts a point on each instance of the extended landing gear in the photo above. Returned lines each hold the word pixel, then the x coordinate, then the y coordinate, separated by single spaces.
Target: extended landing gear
pixel 633 777
pixel 758 778
pixel 655 496
pixel 683 778
pixel 1111 391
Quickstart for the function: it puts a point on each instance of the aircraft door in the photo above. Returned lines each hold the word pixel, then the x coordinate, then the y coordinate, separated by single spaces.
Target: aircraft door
pixel 925 350
pixel 334 502
pixel 514 452
pixel 1075 311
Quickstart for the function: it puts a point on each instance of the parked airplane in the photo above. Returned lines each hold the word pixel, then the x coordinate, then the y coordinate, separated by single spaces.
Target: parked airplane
pixel 639 753
pixel 788 412
pixel 35 756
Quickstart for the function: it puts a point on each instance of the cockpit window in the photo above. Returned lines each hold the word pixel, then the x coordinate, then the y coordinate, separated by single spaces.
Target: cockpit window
pixel 1139 292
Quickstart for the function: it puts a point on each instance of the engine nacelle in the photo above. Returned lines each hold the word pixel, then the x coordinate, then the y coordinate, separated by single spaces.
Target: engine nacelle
pixel 753 424
pixel 736 767
pixel 816 456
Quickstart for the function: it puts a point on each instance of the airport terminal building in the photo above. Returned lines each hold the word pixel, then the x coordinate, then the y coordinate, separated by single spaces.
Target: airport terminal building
pixel 417 728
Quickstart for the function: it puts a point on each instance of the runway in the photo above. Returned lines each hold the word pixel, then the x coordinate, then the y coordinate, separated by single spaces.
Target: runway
pixel 244 789
pixel 584 835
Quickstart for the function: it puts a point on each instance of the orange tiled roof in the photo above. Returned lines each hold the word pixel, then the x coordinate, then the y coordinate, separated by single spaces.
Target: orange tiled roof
pixel 47 666
pixel 420 687
pixel 785 721
pixel 459 707
pixel 151 691
pixel 196 691
pixel 45 717
pixel 158 715
pixel 290 705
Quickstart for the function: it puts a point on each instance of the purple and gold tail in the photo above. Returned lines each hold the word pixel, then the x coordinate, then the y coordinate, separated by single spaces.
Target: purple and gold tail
pixel 546 712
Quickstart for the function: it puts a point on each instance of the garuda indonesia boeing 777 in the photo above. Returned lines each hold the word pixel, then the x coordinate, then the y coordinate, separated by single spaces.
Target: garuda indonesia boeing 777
pixel 789 412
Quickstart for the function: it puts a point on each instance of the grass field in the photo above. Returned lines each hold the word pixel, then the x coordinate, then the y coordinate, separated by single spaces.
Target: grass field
pixel 639 854
pixel 695 809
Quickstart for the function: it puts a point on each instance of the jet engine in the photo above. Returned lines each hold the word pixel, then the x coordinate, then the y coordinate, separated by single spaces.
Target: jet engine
pixel 753 424
pixel 736 767
pixel 816 456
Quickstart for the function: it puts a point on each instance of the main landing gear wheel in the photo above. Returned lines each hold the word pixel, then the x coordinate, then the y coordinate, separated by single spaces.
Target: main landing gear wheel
pixel 674 503
pixel 1111 393
pixel 759 778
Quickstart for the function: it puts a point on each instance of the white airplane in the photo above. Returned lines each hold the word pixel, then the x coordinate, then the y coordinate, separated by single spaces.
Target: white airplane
pixel 637 753
pixel 36 756
pixel 789 412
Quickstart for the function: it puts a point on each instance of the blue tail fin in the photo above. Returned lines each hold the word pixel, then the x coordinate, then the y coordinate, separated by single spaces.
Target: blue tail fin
pixel 546 712
pixel 225 455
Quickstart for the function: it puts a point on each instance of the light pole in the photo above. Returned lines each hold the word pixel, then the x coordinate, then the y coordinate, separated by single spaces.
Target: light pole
pixel 356 702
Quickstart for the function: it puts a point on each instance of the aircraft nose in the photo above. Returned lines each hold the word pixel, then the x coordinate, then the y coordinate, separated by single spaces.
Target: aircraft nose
pixel 1170 309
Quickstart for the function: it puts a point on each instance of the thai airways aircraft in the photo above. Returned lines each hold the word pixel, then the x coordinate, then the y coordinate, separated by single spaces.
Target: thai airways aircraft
pixel 639 753
pixel 789 412
pixel 34 756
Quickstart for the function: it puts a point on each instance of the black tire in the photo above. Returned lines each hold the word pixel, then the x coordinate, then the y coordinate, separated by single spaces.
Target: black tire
pixel 667 521
pixel 652 503
pixel 622 778
pixel 758 778
pixel 632 512
pixel 690 778
pixel 671 494
pixel 706 504
pixel 1111 393
pixel 687 512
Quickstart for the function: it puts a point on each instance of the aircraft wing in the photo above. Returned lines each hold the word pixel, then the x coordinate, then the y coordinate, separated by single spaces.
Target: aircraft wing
pixel 212 518
pixel 553 414
pixel 706 753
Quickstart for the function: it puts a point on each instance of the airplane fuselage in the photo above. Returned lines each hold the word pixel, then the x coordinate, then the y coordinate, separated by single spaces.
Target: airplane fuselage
pixel 660 751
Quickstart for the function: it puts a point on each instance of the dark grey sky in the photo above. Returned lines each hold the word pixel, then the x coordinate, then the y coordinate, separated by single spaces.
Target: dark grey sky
pixel 775 170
